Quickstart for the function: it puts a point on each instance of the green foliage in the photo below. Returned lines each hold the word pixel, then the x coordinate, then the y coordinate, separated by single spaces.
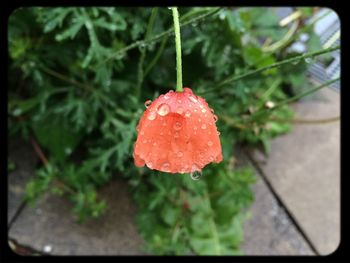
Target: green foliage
pixel 204 218
pixel 11 166
pixel 82 103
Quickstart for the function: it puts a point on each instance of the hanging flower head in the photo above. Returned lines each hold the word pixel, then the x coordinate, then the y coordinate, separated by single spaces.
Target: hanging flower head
pixel 177 134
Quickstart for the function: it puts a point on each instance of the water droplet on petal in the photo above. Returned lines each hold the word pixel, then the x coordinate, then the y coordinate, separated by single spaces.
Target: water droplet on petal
pixel 193 99
pixel 204 110
pixel 142 132
pixel 177 126
pixel 180 110
pixel 212 110
pixel 179 101
pixel 179 154
pixel 176 135
pixel 163 109
pixel 195 128
pixel 204 126
pixel 210 143
pixel 151 116
pixel 144 141
pixel 216 118
pixel 147 103
pixel 219 133
pixel 187 114
pixel 199 119
pixel 166 167
pixel 149 165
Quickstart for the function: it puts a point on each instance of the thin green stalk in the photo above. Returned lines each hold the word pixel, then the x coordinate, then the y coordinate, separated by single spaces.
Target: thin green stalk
pixel 159 36
pixel 157 56
pixel 141 74
pixel 244 125
pixel 274 65
pixel 179 87
pixel 296 97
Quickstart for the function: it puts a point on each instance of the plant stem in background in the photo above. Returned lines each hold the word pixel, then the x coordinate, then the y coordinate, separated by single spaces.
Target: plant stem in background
pixel 297 97
pixel 159 36
pixel 141 74
pixel 274 65
pixel 178 50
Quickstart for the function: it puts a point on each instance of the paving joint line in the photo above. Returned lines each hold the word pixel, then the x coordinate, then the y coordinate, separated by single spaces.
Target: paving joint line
pixel 16 215
pixel 280 202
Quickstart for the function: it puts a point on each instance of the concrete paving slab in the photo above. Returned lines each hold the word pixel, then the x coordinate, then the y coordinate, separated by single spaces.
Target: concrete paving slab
pixel 25 160
pixel 304 170
pixel 270 231
pixel 51 228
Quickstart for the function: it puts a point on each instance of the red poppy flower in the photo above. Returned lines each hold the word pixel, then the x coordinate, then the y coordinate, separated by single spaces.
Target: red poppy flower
pixel 177 134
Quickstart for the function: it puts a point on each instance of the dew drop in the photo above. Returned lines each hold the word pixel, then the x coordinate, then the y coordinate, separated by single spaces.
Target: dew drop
pixel 149 165
pixel 216 118
pixel 199 120
pixel 180 110
pixel 177 126
pixel 195 110
pixel 212 110
pixel 179 154
pixel 269 104
pixel 154 144
pixel 204 126
pixel 210 143
pixel 193 99
pixel 308 60
pixel 187 114
pixel 176 135
pixel 166 167
pixel 204 110
pixel 142 132
pixel 166 97
pixel 151 116
pixel 179 101
pixel 164 123
pixel 144 141
pixel 218 133
pixel 195 128
pixel 196 174
pixel 296 62
pixel 163 109
pixel 147 103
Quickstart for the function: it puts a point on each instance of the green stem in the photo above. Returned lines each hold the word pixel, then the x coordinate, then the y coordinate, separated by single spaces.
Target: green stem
pixel 141 74
pixel 244 125
pixel 178 50
pixel 274 65
pixel 159 36
pixel 157 56
pixel 297 97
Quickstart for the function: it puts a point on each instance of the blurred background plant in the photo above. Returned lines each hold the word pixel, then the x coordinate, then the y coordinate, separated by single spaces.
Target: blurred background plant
pixel 78 79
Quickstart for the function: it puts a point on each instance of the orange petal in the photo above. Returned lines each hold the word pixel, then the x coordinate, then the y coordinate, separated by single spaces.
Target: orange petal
pixel 177 134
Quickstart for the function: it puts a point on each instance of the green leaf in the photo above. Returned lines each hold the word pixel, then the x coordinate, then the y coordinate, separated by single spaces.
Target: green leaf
pixel 56 136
